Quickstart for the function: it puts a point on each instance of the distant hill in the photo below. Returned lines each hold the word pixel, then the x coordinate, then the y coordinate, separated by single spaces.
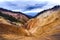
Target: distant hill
pixel 16 15
pixel 53 8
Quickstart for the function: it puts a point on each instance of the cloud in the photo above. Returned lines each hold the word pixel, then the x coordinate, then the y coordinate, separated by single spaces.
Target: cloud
pixel 10 6
pixel 6 0
pixel 28 6
pixel 39 9
pixel 18 5
pixel 40 5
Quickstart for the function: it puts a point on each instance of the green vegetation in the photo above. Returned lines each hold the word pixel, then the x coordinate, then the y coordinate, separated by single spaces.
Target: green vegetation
pixel 10 18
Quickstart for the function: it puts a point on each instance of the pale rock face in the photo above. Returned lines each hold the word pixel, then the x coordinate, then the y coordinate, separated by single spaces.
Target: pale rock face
pixel 45 25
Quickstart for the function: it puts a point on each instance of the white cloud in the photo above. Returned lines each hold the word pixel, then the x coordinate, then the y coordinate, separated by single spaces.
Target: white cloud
pixel 6 0
pixel 22 5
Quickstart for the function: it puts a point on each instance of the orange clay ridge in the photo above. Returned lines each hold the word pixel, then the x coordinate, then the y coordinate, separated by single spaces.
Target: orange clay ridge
pixel 45 26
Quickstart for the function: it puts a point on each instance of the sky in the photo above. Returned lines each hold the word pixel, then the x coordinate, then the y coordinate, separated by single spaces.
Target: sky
pixel 29 7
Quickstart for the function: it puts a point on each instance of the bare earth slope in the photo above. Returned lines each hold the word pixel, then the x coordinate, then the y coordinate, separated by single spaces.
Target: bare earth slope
pixel 46 25
pixel 17 15
pixel 11 32
pixel 43 27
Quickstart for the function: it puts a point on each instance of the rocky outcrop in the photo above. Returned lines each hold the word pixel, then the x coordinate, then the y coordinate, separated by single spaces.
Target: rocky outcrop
pixel 46 25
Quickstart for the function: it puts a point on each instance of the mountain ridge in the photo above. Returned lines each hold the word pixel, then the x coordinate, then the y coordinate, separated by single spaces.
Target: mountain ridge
pixel 3 9
pixel 56 7
pixel 17 15
pixel 46 26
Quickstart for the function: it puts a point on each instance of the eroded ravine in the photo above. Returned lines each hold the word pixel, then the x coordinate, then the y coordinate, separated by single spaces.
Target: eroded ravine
pixel 43 27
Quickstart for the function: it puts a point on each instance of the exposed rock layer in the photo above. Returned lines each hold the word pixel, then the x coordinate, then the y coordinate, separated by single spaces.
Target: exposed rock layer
pixel 46 25
pixel 43 27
